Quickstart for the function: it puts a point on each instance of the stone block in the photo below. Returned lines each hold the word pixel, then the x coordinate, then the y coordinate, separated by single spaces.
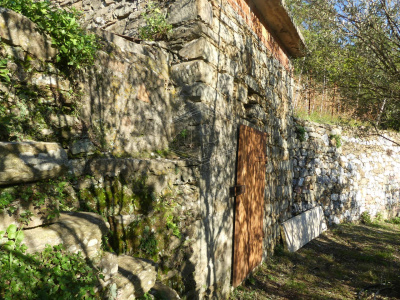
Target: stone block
pixel 161 291
pixel 108 265
pixel 51 80
pixel 18 30
pixel 83 146
pixel 201 49
pixel 193 71
pixel 76 231
pixel 303 228
pixel 62 121
pixel 31 161
pixel 189 10
pixel 135 276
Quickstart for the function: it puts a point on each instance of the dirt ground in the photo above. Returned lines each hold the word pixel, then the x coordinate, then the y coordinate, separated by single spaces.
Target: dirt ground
pixel 349 261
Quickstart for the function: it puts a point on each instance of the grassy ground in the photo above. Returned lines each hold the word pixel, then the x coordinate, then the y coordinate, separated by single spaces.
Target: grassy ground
pixel 348 262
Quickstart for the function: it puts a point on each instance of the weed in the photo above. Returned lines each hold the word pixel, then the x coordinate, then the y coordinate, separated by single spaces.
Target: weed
pixel 295 285
pixel 146 296
pixel 173 226
pixel 4 72
pixel 156 23
pixel 251 280
pixel 379 217
pixel 163 152
pixel 301 133
pixel 148 243
pixel 337 138
pixel 279 250
pixel 366 218
pixel 395 220
pixel 5 200
pixel 25 217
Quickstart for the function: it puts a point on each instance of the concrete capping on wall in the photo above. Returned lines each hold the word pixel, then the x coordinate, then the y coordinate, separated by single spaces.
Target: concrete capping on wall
pixel 300 230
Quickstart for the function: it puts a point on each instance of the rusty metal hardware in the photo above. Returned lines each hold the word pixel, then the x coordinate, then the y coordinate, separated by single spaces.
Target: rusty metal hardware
pixel 237 190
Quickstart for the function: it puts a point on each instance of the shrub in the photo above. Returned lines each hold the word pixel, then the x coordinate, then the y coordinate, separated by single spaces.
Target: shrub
pixel 156 23
pixel 76 48
pixel 366 218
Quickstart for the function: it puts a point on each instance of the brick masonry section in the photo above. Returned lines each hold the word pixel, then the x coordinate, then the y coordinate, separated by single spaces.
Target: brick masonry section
pixel 253 18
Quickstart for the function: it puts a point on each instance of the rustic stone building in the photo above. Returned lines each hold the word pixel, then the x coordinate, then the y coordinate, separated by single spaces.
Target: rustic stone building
pixel 188 141
pixel 227 63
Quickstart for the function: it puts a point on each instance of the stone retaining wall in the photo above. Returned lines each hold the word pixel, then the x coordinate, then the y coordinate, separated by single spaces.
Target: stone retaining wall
pixel 359 176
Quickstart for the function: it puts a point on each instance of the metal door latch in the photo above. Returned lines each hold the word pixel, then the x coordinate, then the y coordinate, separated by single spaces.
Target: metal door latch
pixel 237 190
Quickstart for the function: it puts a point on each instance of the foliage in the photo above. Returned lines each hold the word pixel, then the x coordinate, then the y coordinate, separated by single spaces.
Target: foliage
pixel 156 23
pixel 52 274
pixel 5 199
pixel 4 72
pixel 337 138
pixel 352 47
pixel 171 225
pixel 25 112
pixel 149 243
pixel 76 48
pixel 47 196
pixel 395 220
pixel 146 296
pixel 366 218
pixel 301 133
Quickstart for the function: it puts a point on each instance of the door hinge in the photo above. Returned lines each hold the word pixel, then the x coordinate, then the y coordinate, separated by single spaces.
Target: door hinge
pixel 237 190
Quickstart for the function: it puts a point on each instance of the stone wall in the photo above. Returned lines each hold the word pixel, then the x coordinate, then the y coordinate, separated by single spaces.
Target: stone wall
pixel 230 78
pixel 359 176
pixel 149 138
pixel 188 95
pixel 96 140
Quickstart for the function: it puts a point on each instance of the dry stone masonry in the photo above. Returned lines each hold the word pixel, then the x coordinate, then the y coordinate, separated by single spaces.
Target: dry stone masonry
pixel 146 140
pixel 359 176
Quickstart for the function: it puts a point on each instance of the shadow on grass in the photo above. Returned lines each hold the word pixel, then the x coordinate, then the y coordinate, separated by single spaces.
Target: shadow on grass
pixel 348 262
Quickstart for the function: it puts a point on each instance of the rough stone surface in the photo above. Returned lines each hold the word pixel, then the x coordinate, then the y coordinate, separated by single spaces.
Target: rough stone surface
pixel 76 231
pixel 303 228
pixel 360 176
pixel 161 291
pixel 31 161
pixel 20 31
pixel 135 277
pixel 108 265
pixel 187 10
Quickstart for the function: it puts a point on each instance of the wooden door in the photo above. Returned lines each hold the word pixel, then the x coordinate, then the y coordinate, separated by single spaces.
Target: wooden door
pixel 249 206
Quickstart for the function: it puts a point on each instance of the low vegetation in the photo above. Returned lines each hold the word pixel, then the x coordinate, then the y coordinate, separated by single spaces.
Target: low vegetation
pixel 348 262
pixel 156 26
pixel 51 274
pixel 76 47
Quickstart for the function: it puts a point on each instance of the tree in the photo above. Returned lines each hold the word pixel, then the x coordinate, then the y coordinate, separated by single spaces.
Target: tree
pixel 354 45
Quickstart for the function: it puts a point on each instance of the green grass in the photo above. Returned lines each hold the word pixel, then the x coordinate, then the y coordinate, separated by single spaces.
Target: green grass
pixel 349 261
pixel 326 118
